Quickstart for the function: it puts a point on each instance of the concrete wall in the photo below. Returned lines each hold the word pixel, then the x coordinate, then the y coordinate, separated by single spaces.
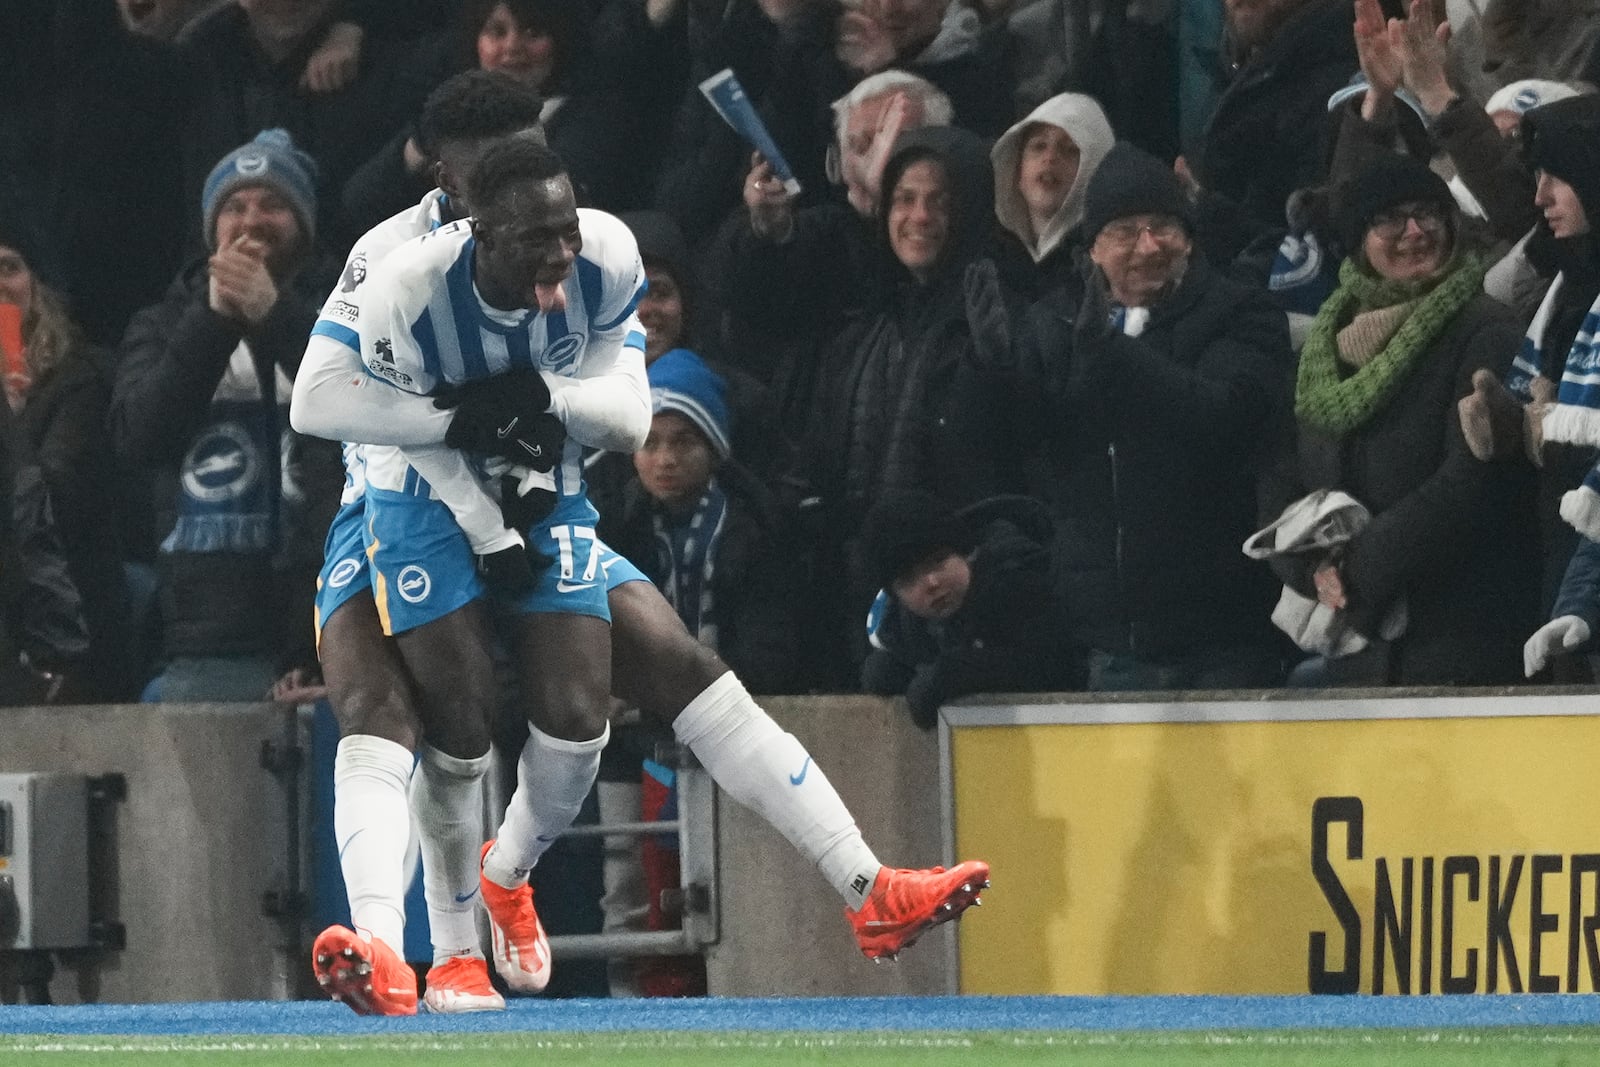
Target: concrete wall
pixel 783 927
pixel 203 834
pixel 200 837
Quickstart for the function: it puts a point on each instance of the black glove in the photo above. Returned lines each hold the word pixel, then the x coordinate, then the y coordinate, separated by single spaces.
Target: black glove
pixel 1093 322
pixel 512 570
pixel 505 416
pixel 522 511
pixel 987 315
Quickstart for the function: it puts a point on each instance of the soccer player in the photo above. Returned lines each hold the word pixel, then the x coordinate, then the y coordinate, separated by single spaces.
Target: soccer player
pixel 658 666
pixel 381 709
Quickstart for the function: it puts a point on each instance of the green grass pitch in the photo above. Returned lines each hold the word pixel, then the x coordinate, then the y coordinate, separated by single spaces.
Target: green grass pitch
pixel 1508 1047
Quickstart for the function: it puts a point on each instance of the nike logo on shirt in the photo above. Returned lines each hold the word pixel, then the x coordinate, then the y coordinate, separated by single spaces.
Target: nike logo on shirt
pixel 805 769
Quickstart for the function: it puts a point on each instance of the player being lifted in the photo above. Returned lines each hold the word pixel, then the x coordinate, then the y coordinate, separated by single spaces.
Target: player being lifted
pixel 470 301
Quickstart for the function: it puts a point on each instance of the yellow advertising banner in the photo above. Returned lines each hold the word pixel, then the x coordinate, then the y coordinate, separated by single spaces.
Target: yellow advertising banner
pixel 1175 850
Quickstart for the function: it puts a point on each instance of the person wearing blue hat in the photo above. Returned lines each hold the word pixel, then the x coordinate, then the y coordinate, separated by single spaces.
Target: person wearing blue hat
pixel 692 511
pixel 201 402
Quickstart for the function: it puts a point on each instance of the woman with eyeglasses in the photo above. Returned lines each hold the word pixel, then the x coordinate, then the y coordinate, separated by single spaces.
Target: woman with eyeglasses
pixel 1452 546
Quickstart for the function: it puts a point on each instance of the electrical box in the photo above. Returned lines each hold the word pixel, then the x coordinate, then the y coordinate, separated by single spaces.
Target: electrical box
pixel 44 861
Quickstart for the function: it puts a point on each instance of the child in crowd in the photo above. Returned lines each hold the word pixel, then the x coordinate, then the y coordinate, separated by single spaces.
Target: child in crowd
pixel 705 533
pixel 705 530
pixel 966 605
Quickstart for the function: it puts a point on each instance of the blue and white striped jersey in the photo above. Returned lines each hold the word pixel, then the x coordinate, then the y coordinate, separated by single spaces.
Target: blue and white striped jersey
pixel 422 324
pixel 341 312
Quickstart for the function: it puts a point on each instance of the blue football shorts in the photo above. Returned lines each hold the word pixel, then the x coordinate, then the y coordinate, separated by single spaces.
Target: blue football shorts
pixel 423 567
pixel 345 571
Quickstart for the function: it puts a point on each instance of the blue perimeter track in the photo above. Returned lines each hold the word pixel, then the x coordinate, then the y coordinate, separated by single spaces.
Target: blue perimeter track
pixel 903 1014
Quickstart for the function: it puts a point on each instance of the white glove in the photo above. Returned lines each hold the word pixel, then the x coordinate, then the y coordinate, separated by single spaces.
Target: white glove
pixel 1563 634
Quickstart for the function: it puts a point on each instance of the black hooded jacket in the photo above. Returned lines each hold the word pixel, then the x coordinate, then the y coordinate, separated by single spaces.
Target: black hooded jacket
pixel 898 407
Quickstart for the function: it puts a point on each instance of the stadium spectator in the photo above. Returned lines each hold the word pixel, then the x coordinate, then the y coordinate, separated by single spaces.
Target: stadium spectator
pixel 59 387
pixel 832 245
pixel 586 116
pixel 1042 165
pixel 201 397
pixel 1270 132
pixel 43 641
pixel 966 604
pixel 1390 353
pixel 898 406
pixel 1152 398
pixel 246 66
pixel 705 531
pixel 1409 55
pixel 1561 146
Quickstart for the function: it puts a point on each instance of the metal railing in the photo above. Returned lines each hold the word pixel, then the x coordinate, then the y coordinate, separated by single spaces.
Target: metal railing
pixel 696 895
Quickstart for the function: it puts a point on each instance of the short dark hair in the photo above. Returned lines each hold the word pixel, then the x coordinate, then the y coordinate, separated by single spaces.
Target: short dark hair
pixel 518 158
pixel 474 105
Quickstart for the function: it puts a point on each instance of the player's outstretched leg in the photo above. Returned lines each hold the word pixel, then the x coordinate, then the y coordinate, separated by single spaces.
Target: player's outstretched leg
pixel 674 678
pixel 363 972
pixel 905 904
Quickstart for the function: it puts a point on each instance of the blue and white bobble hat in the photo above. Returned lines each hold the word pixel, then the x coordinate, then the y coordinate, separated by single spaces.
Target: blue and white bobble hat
pixel 271 159
pixel 680 381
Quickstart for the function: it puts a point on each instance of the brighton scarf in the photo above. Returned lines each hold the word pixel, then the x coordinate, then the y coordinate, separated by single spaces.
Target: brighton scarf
pixel 1325 399
pixel 1574 419
pixel 687 551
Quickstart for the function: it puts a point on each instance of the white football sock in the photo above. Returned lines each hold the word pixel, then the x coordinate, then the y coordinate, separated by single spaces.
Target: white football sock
pixel 771 773
pixel 447 800
pixel 372 827
pixel 553 779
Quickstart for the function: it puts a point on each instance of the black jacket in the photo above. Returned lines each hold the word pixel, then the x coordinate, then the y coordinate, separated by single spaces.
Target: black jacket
pixel 1454 537
pixel 1270 133
pixel 754 581
pixel 899 405
pixel 173 358
pixel 1005 638
pixel 1150 451
pixel 63 424
pixel 40 612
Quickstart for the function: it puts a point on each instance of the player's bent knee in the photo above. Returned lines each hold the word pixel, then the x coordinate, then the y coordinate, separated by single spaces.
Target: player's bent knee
pixel 376 714
pixel 572 714
pixel 465 738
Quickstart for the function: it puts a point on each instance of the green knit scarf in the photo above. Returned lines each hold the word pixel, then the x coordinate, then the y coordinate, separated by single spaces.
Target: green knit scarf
pixel 1326 400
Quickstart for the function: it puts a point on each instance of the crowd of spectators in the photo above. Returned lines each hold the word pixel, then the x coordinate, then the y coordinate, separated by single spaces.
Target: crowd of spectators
pixel 994 403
